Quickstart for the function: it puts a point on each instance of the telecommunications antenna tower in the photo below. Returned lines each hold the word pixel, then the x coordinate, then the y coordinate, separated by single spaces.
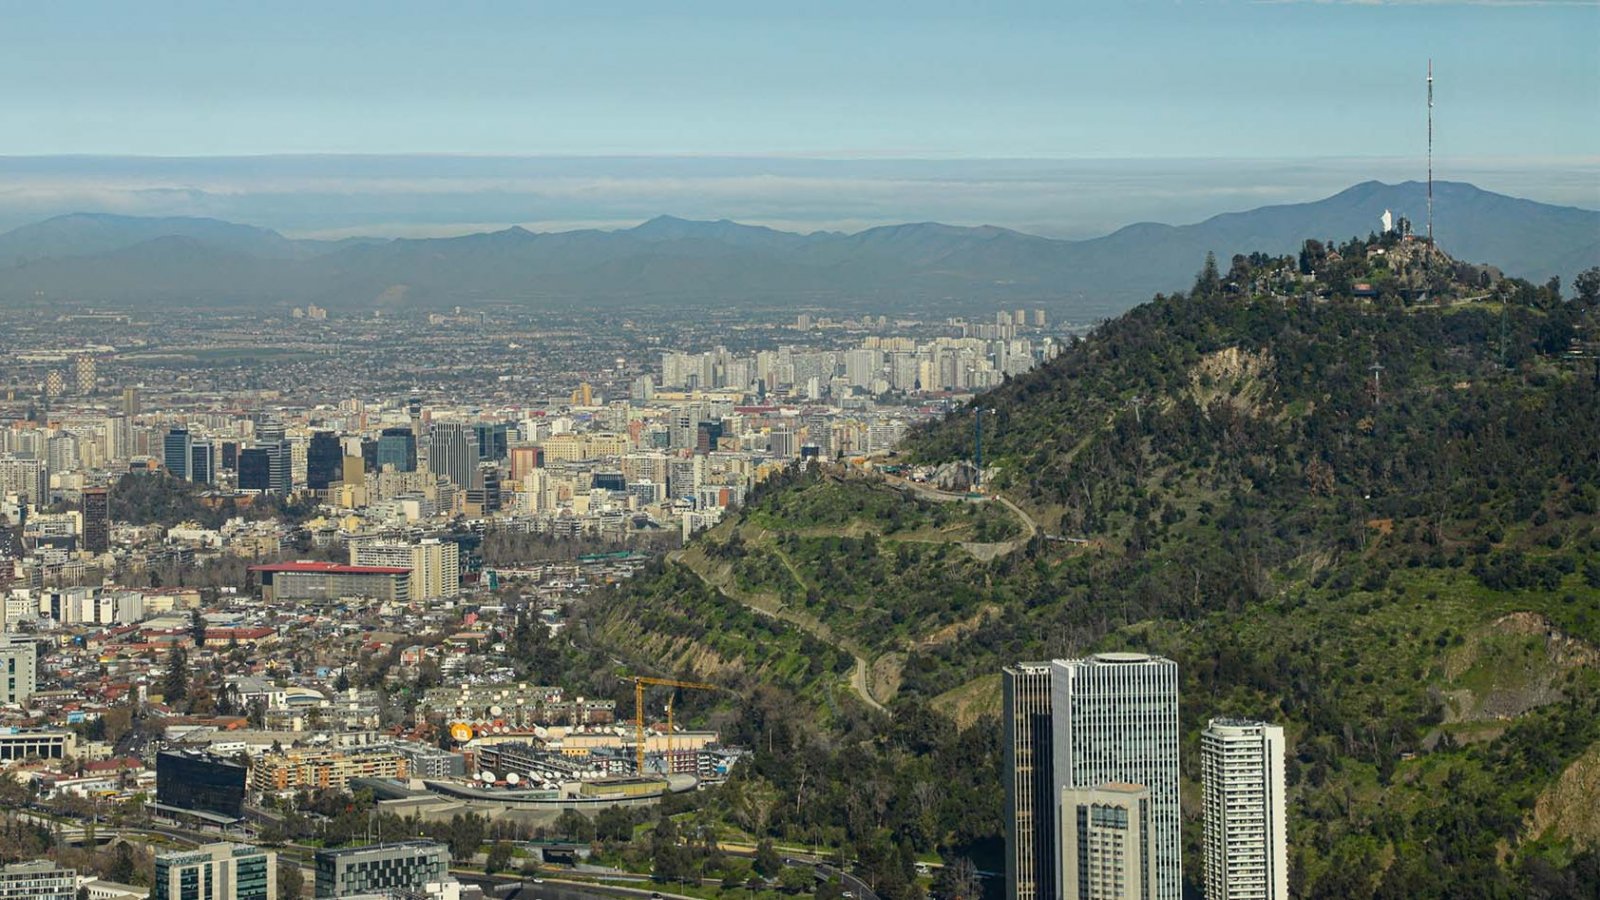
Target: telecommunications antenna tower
pixel 1430 157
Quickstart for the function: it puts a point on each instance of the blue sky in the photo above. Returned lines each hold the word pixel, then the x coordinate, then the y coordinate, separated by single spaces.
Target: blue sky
pixel 1129 79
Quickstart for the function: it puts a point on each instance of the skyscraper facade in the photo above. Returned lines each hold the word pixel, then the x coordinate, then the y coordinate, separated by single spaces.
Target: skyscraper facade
pixel 96 520
pixel 1246 849
pixel 324 458
pixel 1030 782
pixel 1106 849
pixel 453 452
pixel 200 459
pixel 176 452
pixel 397 447
pixel 1116 720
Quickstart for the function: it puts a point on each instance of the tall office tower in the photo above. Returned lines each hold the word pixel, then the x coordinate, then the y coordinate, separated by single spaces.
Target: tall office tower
pixel 1106 851
pixel 220 871
pixel 61 452
pixel 96 519
pixel 397 447
pixel 130 402
pixel 271 436
pixel 83 374
pixel 255 469
pixel 1030 782
pixel 324 458
pixel 1242 787
pixel 494 439
pixel 453 452
pixel 177 453
pixel 1116 720
pixel 200 468
pixel 29 478
pixel 229 451
pixel 19 669
pixel 407 866
pixel 485 490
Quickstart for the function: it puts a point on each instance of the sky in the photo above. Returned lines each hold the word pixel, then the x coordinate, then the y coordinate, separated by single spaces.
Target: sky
pixel 1268 83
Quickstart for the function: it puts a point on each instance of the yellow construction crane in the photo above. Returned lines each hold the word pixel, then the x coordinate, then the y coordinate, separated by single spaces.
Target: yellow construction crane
pixel 640 682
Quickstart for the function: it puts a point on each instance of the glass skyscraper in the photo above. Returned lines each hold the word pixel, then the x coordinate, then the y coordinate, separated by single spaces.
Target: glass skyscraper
pixel 1115 718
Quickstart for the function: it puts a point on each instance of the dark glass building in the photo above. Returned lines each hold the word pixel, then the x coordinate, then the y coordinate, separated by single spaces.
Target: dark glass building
pixel 175 453
pixel 96 520
pixel 397 447
pixel 255 469
pixel 200 782
pixel 324 459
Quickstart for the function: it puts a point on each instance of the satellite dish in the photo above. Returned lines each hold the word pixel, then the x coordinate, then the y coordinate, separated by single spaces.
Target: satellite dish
pixel 512 778
pixel 486 777
pixel 495 710
pixel 461 732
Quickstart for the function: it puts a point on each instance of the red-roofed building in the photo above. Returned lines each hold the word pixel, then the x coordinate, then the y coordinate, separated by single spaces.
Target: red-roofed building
pixel 331 581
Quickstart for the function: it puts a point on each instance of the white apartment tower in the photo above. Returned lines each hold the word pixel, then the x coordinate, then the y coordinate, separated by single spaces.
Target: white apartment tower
pixel 1115 719
pixel 1246 844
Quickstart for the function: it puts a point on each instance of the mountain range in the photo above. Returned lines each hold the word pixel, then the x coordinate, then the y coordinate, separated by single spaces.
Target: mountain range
pixel 96 258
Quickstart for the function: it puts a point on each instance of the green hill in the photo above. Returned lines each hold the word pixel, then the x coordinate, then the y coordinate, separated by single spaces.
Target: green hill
pixel 1400 564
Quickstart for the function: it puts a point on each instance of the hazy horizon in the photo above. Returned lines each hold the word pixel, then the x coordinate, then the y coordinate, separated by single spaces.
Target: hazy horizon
pixel 427 195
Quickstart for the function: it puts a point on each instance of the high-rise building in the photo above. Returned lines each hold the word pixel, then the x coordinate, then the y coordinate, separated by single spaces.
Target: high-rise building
pixel 405 866
pixel 255 469
pixel 271 436
pixel 1115 719
pixel 200 463
pixel 1246 848
pixel 38 880
pixel 29 478
pixel 435 565
pixel 130 402
pixel 453 452
pixel 221 871
pixel 494 439
pixel 324 458
pixel 177 451
pixel 18 669
pixel 96 520
pixel 397 447
pixel 1106 847
pixel 83 373
pixel 1030 782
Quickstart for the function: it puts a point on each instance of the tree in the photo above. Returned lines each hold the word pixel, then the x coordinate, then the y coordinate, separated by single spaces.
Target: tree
pixel 767 862
pixel 958 881
pixel 197 628
pixel 175 686
pixel 291 884
pixel 1587 285
pixel 499 858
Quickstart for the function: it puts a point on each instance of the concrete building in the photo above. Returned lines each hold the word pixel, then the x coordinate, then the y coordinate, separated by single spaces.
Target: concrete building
pixel 19 743
pixel 298 769
pixel 1030 812
pixel 96 520
pixel 404 866
pixel 1106 847
pixel 1115 719
pixel 18 669
pixel 1246 849
pixel 330 581
pixel 38 880
pixel 435 565
pixel 221 871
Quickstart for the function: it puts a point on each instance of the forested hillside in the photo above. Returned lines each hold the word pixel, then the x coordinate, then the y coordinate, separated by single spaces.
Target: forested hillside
pixel 1363 505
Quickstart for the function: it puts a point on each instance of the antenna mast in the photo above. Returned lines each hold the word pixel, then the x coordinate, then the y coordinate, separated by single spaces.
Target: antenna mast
pixel 1430 157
